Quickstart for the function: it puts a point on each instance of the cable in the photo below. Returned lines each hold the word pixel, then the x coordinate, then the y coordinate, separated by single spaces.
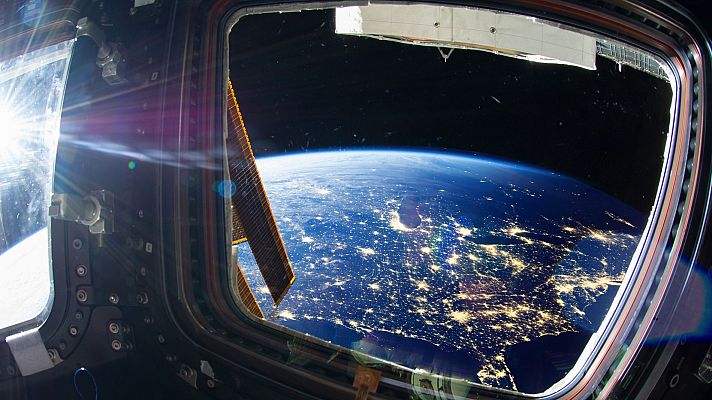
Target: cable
pixel 93 381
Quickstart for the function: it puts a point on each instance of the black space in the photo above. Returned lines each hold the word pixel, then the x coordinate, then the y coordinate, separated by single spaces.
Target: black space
pixel 301 88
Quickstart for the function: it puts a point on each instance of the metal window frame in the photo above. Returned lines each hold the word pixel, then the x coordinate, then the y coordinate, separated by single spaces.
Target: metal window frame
pixel 680 213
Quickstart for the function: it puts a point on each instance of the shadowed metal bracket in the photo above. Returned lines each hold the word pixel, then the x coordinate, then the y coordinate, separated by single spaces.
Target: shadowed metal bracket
pixel 109 57
pixel 96 210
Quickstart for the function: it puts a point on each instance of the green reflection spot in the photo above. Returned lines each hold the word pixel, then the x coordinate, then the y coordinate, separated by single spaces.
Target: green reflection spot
pixel 132 165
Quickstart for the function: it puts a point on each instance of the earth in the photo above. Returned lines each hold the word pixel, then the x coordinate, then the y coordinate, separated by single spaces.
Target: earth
pixel 456 264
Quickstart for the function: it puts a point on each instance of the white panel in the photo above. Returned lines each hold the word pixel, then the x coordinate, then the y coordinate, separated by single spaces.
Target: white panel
pixel 29 352
pixel 460 27
pixel 518 26
pixel 349 21
pixel 484 38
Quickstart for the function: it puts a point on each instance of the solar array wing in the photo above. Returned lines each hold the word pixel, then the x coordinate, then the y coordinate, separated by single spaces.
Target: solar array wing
pixel 253 220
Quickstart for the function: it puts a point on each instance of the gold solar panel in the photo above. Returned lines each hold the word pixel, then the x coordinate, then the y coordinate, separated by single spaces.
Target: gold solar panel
pixel 253 220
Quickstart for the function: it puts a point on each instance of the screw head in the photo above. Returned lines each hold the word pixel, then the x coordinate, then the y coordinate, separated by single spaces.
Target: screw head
pixel 114 328
pixel 116 345
pixel 77 243
pixel 139 213
pixel 73 330
pixel 81 270
pixel 78 315
pixel 82 295
pixel 114 298
pixel 210 383
pixel 161 339
pixel 142 298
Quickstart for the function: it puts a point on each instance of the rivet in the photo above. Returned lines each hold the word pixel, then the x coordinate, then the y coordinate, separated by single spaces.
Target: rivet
pixel 82 296
pixel 81 270
pixel 142 298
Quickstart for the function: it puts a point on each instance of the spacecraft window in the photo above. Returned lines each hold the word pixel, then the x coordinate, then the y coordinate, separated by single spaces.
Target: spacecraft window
pixel 460 192
pixel 31 94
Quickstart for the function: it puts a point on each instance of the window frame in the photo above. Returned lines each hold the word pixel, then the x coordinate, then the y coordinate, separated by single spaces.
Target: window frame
pixel 659 275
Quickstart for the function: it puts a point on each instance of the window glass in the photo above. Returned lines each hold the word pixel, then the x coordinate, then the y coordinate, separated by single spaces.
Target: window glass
pixel 464 206
pixel 31 93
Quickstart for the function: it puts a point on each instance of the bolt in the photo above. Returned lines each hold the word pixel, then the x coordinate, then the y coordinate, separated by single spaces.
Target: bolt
pixel 139 213
pixel 73 330
pixel 82 295
pixel 142 271
pixel 116 345
pixel 210 383
pixel 78 315
pixel 185 371
pixel 142 298
pixel 81 270
pixel 114 328
pixel 493 29
pixel 62 345
pixel 114 298
pixel 77 243
pixel 161 339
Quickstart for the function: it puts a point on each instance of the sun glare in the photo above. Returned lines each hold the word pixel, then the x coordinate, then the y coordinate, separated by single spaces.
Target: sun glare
pixel 10 132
